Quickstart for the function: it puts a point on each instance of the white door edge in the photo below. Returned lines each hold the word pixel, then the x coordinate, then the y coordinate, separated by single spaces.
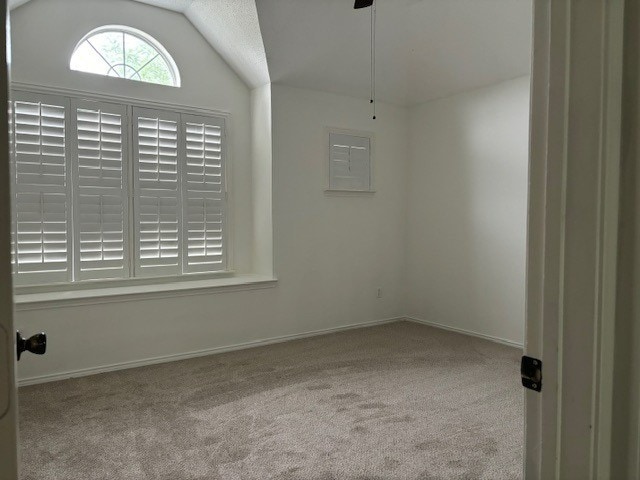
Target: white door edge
pixel 575 117
pixel 8 404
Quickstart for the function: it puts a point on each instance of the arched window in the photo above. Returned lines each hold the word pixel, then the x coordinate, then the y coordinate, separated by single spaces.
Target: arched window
pixel 124 52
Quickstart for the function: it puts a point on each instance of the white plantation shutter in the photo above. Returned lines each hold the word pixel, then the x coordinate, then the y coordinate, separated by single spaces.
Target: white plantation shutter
pixel 156 193
pixel 41 189
pixel 103 190
pixel 12 172
pixel 204 202
pixel 100 195
pixel 349 162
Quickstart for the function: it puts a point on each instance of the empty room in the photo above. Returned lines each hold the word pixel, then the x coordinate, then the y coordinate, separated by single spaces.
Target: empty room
pixel 269 239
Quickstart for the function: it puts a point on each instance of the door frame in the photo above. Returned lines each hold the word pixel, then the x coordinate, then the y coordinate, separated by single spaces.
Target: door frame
pixel 625 450
pixel 8 406
pixel 565 308
pixel 574 188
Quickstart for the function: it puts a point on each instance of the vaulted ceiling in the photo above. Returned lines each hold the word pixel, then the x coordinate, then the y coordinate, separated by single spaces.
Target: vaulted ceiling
pixel 230 26
pixel 426 49
pixel 232 29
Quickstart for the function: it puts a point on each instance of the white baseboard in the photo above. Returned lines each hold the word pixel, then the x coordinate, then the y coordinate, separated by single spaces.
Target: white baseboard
pixel 491 338
pixel 199 353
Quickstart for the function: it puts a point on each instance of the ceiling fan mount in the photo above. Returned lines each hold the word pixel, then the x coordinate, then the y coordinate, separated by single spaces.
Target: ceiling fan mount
pixel 363 4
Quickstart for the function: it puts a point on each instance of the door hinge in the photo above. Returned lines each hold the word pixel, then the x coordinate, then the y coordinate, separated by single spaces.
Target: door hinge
pixel 531 373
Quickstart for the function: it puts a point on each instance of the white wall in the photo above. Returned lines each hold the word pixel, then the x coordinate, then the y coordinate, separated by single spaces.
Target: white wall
pixel 331 253
pixel 468 167
pixel 41 49
pixel 262 163
pixel 457 236
pixel 342 247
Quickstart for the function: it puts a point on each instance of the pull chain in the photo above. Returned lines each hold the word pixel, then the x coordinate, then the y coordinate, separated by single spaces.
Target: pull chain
pixel 373 58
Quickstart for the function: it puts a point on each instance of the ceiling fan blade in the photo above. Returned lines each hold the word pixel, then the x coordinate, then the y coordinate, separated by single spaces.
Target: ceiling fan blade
pixel 363 4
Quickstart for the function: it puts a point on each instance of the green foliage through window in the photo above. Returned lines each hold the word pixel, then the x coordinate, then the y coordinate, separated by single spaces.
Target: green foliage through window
pixel 125 53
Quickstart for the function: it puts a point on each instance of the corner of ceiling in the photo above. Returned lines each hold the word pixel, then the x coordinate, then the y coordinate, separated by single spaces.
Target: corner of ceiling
pixel 16 3
pixel 232 28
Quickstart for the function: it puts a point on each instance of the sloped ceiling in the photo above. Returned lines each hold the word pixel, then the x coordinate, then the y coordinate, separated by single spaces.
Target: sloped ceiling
pixel 230 26
pixel 232 29
pixel 426 49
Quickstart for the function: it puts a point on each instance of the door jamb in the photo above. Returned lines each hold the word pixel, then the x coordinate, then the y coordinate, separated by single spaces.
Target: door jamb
pixel 9 465
pixel 562 71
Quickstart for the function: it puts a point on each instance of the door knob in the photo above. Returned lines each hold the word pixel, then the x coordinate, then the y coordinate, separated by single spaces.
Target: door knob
pixel 35 344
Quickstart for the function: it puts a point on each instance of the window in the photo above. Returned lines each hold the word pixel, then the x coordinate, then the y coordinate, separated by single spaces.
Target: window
pixel 349 162
pixel 93 181
pixel 124 52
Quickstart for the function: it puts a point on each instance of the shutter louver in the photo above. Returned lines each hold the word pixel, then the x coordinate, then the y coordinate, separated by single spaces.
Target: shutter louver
pixel 204 194
pixel 157 193
pixel 349 167
pixel 12 176
pixel 72 192
pixel 41 190
pixel 101 194
pixel 42 237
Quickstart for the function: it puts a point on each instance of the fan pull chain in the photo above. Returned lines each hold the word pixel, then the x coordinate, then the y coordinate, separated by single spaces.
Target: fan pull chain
pixel 373 58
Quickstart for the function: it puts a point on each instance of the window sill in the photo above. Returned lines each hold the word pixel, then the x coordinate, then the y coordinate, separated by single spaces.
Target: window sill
pixel 117 294
pixel 341 193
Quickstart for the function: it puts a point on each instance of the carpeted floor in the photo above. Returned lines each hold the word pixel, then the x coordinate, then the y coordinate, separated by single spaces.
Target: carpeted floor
pixel 398 401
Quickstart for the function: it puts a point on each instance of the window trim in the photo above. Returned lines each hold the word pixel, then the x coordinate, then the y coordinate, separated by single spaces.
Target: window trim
pixel 166 56
pixel 120 283
pixel 24 87
pixel 328 191
pixel 25 300
pixel 138 283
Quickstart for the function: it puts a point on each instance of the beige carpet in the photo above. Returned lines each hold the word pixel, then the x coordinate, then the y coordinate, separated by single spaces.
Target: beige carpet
pixel 398 401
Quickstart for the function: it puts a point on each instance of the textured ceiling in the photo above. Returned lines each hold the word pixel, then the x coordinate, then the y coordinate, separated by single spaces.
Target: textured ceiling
pixel 232 29
pixel 230 26
pixel 426 48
